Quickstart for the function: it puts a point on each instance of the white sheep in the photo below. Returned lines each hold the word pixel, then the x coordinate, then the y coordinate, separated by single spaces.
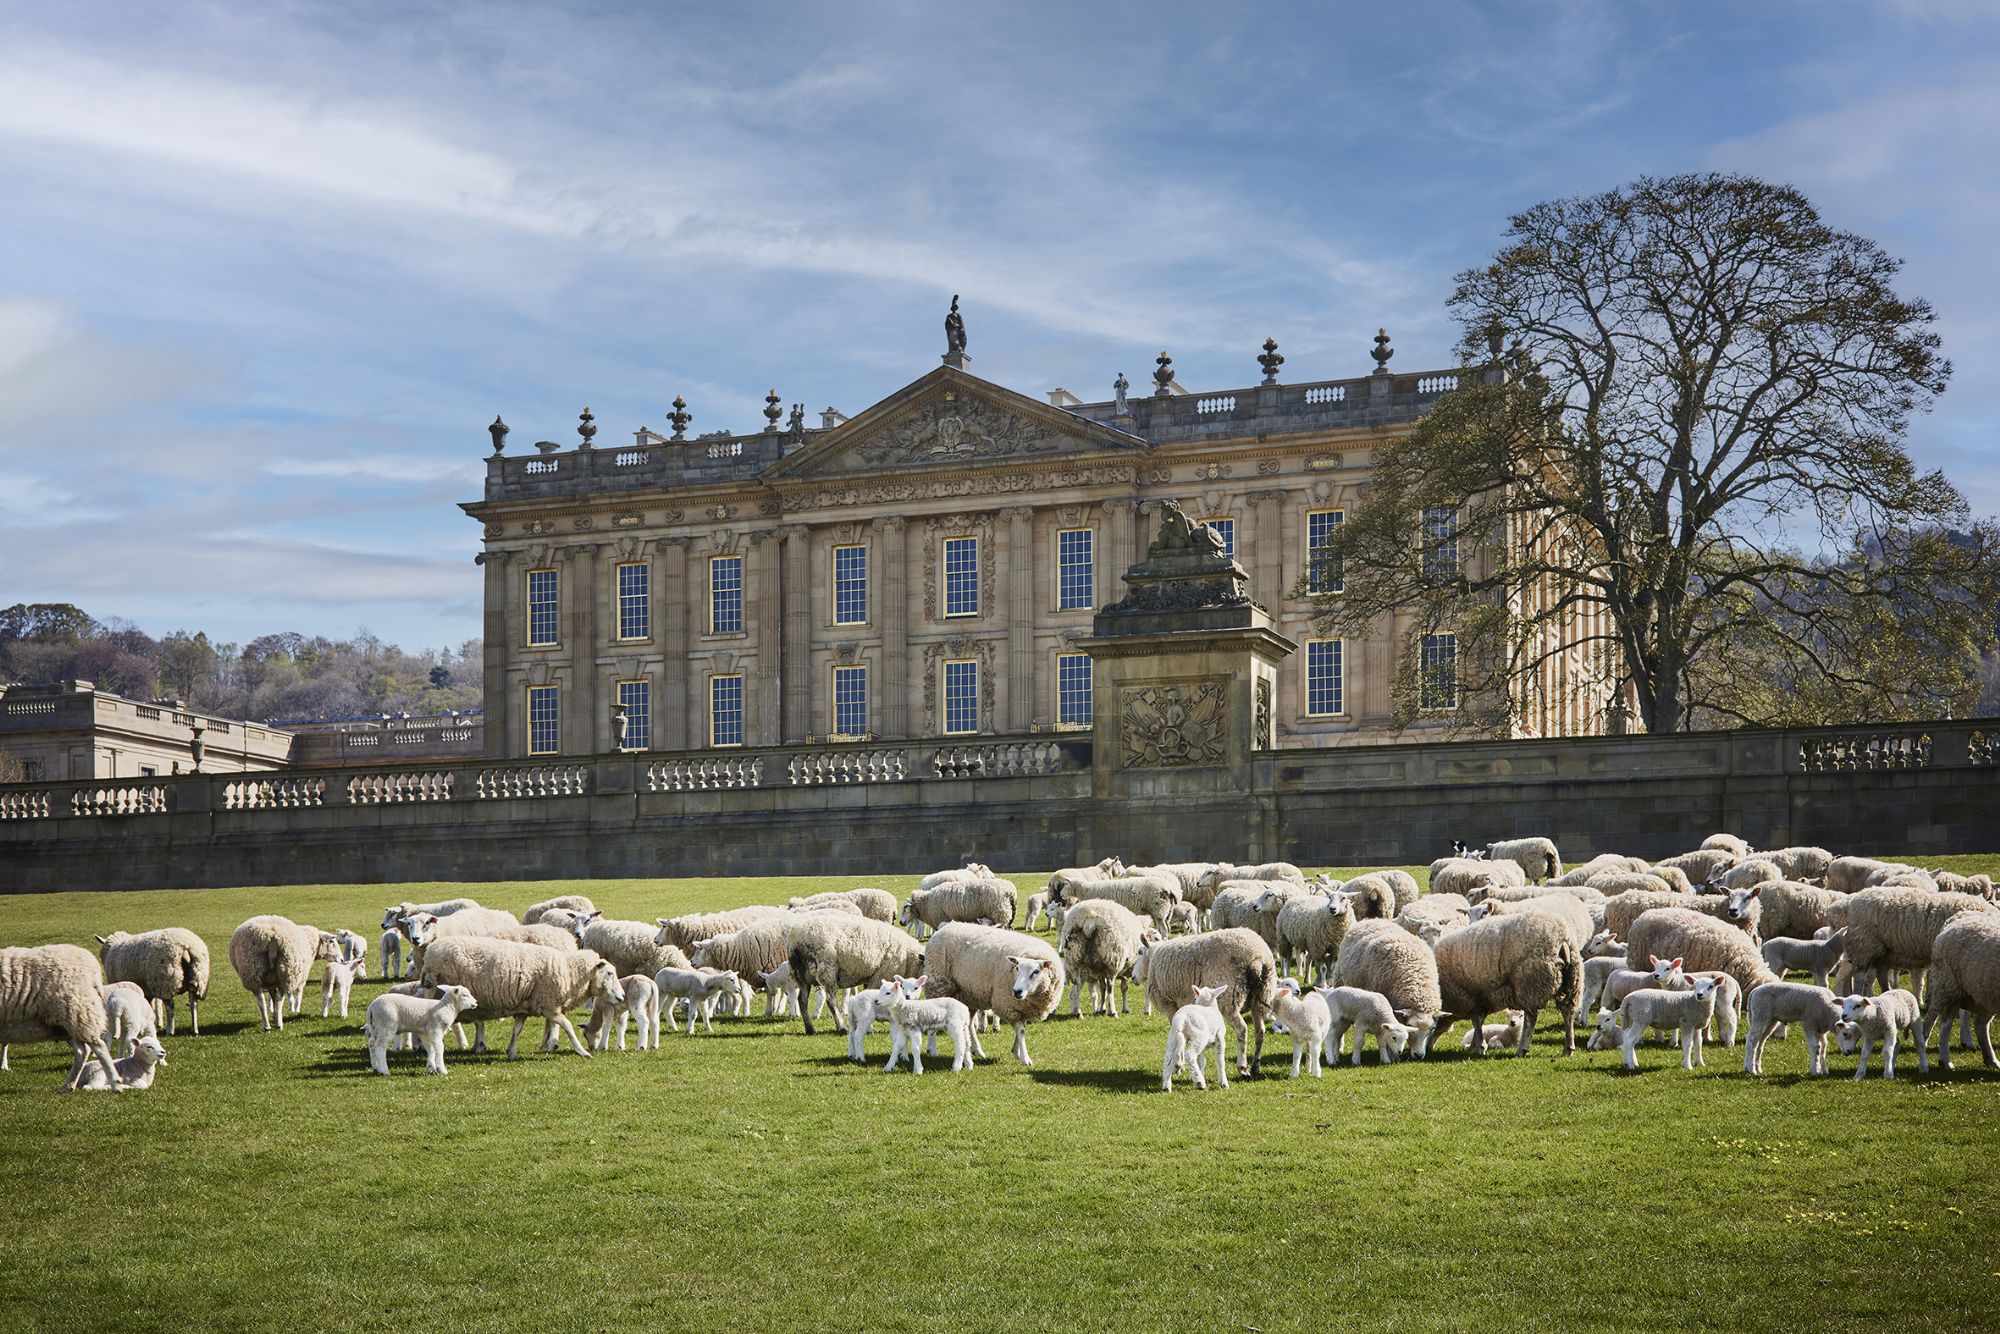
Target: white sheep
pixel 1382 957
pixel 1517 961
pixel 274 957
pixel 862 1009
pixel 525 981
pixel 573 903
pixel 164 963
pixel 1965 975
pixel 1233 958
pixel 1700 866
pixel 336 980
pixel 973 870
pixel 642 1002
pixel 834 951
pixel 1040 908
pixel 700 988
pixel 915 1020
pixel 1307 1019
pixel 392 954
pixel 1688 1012
pixel 1364 1012
pixel 1196 888
pixel 1196 1028
pixel 1151 896
pixel 1866 1020
pixel 1743 875
pixel 1537 857
pixel 683 931
pixel 1572 914
pixel 1893 927
pixel 879 904
pixel 1016 976
pixel 1602 863
pixel 1310 927
pixel 1704 942
pixel 1099 944
pixel 1816 1009
pixel 1254 905
pixel 1211 880
pixel 1728 843
pixel 390 1016
pixel 1457 875
pixel 1499 1037
pixel 1817 957
pixel 1446 911
pixel 422 992
pixel 135 1071
pixel 1851 875
pixel 1800 863
pixel 1597 973
pixel 422 928
pixel 393 916
pixel 128 1016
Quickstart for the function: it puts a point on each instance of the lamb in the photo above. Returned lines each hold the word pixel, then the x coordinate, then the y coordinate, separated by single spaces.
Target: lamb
pixel 1445 910
pixel 1816 1008
pixel 1456 875
pixel 52 992
pixel 1699 867
pixel 1704 942
pixel 1149 896
pixel 978 900
pixel 1744 875
pixel 390 1016
pixel 1788 908
pixel 862 1009
pixel 353 948
pixel 1728 843
pixel 1018 977
pixel 1039 908
pixel 164 963
pixel 135 1070
pixel 835 951
pixel 1382 957
pixel 1537 857
pixel 1306 1018
pixel 682 932
pixel 392 953
pixel 394 915
pixel 1501 1036
pixel 1817 957
pixel 1603 945
pixel 273 956
pixel 1800 863
pixel 879 904
pixel 699 987
pixel 1597 974
pixel 1184 919
pixel 1965 975
pixel 1365 1012
pixel 1099 943
pixel 128 1017
pixel 913 1020
pixel 1865 1020
pixel 1233 958
pixel 336 981
pixel 1893 927
pixel 525 981
pixel 1690 1012
pixel 1516 961
pixel 424 927
pixel 642 1002
pixel 1196 1028
pixel 1254 904
pixel 576 903
pixel 1310 927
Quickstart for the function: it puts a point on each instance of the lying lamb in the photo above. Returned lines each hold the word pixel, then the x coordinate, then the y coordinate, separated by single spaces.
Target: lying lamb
pixel 1502 1036
pixel 1196 1028
pixel 134 1071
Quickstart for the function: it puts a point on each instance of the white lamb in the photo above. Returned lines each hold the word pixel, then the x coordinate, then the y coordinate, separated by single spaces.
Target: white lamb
pixel 1816 1009
pixel 1196 1028
pixel 1688 1012
pixel 862 1009
pixel 1818 957
pixel 1499 1037
pixel 135 1071
pixel 390 1016
pixel 914 1021
pixel 1865 1020
pixel 392 954
pixel 699 987
pixel 129 1017
pixel 336 981
pixel 1365 1012
pixel 1305 1016
pixel 642 1002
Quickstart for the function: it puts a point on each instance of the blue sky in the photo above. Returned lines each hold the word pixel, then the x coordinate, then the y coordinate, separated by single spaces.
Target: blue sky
pixel 270 269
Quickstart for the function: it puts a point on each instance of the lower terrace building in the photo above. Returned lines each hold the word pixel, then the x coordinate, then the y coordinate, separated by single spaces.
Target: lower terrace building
pixel 75 731
pixel 927 567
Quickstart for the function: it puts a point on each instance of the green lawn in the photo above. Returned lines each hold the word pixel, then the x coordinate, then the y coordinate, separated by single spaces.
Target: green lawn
pixel 755 1180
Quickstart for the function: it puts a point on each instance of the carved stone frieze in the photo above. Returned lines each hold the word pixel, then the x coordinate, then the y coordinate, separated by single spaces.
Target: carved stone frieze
pixel 536 527
pixel 955 649
pixel 625 520
pixel 1263 738
pixel 953 427
pixel 897 490
pixel 1182 726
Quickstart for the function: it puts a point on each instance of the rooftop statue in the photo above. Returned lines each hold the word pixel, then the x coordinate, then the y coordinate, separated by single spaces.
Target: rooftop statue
pixel 954 329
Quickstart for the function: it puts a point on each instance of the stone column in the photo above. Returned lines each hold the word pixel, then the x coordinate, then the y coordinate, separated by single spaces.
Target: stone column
pixel 1020 678
pixel 581 725
pixel 763 693
pixel 670 628
pixel 1267 548
pixel 892 605
pixel 796 591
pixel 1119 524
pixel 499 567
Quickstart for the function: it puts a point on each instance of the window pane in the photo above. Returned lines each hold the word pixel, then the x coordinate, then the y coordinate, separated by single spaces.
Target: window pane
pixel 1075 569
pixel 961 697
pixel 542 609
pixel 1440 554
pixel 961 576
pixel 850 585
pixel 1323 677
pixel 1322 571
pixel 635 608
pixel 725 595
pixel 1073 689
pixel 1226 530
pixel 1438 672
pixel 544 720
pixel 637 697
pixel 850 701
pixel 725 710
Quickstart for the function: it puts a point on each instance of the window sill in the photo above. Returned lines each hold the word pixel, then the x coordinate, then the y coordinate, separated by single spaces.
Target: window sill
pixel 643 639
pixel 725 636
pixel 541 648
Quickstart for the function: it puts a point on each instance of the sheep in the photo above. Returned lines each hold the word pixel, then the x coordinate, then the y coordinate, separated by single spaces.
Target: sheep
pixel 1575 916
pixel 1038 908
pixel 1254 904
pixel 164 963
pixel 1018 977
pixel 879 904
pixel 1745 875
pixel 1619 884
pixel 1788 908
pixel 1456 875
pixel 1689 1012
pixel 642 1002
pixel 1743 909
pixel 1099 942
pixel 1774 1003
pixel 1728 843
pixel 1597 974
pixel 1382 957
pixel 1183 919
pixel 977 871
pixel 1537 857
pixel 1625 909
pixel 1196 1028
pixel 336 980
pixel 835 951
pixel 1704 942
pixel 1149 896
pixel 1800 863
pixel 273 956
pixel 1892 927
pixel 1603 944
pixel 423 928
pixel 1372 896
pixel 756 951
pixel 1310 927
pixel 392 917
pixel 913 1020
pixel 1817 956
pixel 534 933
pixel 128 1016
pixel 576 903
pixel 1499 1036
pixel 1699 867
pixel 135 1070
pixel 52 992
pixel 979 900
pixel 699 987
pixel 1517 961
pixel 1215 877
pixel 392 953
pixel 1850 875
pixel 861 1010
pixel 1865 1020
pixel 1365 1012
pixel 683 931
pixel 525 981
pixel 1446 910
pixel 1965 975
pixel 1191 878
pixel 390 1015
pixel 1306 1018
pixel 1603 863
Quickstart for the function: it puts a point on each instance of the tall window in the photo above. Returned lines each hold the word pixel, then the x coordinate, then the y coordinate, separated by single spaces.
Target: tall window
pixel 1226 530
pixel 725 595
pixel 850 701
pixel 725 710
pixel 635 606
pixel 961 697
pixel 544 720
pixel 637 697
pixel 542 607
pixel 1437 667
pixel 1440 554
pixel 1075 570
pixel 850 585
pixel 961 576
pixel 1324 686
pixel 1073 689
pixel 1322 570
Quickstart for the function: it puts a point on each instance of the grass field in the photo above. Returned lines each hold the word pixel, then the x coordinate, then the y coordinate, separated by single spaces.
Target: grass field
pixel 755 1180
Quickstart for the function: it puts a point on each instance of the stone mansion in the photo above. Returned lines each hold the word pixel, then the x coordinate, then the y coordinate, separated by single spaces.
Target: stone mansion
pixel 928 567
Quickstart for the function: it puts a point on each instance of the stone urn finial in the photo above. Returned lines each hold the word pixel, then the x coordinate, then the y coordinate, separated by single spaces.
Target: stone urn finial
pixel 680 417
pixel 586 426
pixel 1382 352
pixel 773 409
pixel 1270 361
pixel 1164 376
pixel 498 430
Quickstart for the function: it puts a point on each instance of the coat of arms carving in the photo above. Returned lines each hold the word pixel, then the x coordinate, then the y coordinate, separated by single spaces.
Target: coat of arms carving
pixel 1174 727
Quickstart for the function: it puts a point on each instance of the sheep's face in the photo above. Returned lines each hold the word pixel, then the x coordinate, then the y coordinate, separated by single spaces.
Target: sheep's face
pixel 420 927
pixel 1430 932
pixel 700 954
pixel 1668 973
pixel 1208 995
pixel 1705 988
pixel 1395 1037
pixel 1476 895
pixel 391 917
pixel 460 997
pixel 1740 903
pixel 150 1047
pixel 604 983
pixel 1602 944
pixel 1481 911
pixel 1856 1007
pixel 1848 1034
pixel 1607 1034
pixel 1028 974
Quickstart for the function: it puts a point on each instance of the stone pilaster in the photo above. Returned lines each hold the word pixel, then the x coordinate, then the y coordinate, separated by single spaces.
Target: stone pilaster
pixel 1019 682
pixel 675 709
pixel 1120 516
pixel 892 607
pixel 581 724
pixel 796 591
pixel 762 689
pixel 499 698
pixel 1266 547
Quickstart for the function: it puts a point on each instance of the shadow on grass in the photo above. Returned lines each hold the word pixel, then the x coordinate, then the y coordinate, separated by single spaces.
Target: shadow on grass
pixel 1101 1081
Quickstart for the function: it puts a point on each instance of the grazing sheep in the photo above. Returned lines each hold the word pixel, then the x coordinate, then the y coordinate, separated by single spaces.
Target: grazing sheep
pixel 1799 863
pixel 1445 910
pixel 392 917
pixel 1892 927
pixel 1788 908
pixel 1865 1020
pixel 128 1016
pixel 1254 904
pixel 1816 957
pixel 879 904
pixel 390 1016
pixel 1743 875
pixel 274 957
pixel 52 993
pixel 1151 896
pixel 683 931
pixel 977 871
pixel 1537 857
pixel 1018 977
pixel 164 963
pixel 1382 957
pixel 835 951
pixel 1365 1012
pixel 424 928
pixel 987 900
pixel 1196 1028
pixel 1233 958
pixel 1310 927
pixel 1603 863
pixel 700 988
pixel 1099 943
pixel 756 951
pixel 1458 875
pixel 575 903
pixel 135 1070
pixel 1705 943
pixel 913 1021
pixel 642 1002
pixel 1499 1037
pixel 1307 1019
pixel 1516 961
pixel 1699 867
pixel 392 953
pixel 535 933
pixel 1815 1008
pixel 525 981
pixel 1688 1012
pixel 1371 896
pixel 1965 975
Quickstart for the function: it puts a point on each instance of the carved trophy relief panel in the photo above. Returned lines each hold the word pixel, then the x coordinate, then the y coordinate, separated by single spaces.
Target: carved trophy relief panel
pixel 957 427
pixel 1182 726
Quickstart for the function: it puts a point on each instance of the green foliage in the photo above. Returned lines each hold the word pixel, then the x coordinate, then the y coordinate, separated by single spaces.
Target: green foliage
pixel 756 1180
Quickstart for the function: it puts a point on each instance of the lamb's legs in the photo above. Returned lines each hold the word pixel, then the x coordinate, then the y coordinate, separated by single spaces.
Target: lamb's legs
pixel 433 1051
pixel 1222 1058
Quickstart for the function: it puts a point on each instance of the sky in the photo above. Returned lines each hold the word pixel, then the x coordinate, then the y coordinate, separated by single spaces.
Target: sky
pixel 268 270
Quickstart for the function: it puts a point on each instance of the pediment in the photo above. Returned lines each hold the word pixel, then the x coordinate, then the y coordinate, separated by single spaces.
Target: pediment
pixel 950 420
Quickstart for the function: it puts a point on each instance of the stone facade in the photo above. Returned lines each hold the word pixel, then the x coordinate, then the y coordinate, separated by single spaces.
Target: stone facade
pixel 958 494
pixel 353 743
pixel 75 731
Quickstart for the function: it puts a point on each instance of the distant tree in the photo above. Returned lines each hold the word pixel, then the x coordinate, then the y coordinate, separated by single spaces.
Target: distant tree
pixel 440 676
pixel 1709 383
pixel 46 622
